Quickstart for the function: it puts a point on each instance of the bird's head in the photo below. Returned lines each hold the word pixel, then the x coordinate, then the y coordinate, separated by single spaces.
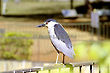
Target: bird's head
pixel 46 23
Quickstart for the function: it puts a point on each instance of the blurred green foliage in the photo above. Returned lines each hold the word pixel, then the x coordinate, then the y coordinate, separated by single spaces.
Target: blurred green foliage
pixel 15 46
pixel 98 51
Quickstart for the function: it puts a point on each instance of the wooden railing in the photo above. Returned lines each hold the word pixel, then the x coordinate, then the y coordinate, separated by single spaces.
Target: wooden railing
pixel 82 67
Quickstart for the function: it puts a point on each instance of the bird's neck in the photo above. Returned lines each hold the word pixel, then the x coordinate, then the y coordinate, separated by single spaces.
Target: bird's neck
pixel 51 28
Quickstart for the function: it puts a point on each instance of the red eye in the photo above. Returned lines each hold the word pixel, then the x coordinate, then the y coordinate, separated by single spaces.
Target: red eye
pixel 46 22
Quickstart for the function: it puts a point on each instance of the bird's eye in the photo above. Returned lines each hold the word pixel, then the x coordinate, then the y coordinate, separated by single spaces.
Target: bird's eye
pixel 46 22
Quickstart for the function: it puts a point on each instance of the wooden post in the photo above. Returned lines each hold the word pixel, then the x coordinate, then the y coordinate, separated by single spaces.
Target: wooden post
pixel 71 4
pixel 0 7
pixel 4 7
pixel 87 3
pixel 80 69
pixel 90 68
pixel 95 23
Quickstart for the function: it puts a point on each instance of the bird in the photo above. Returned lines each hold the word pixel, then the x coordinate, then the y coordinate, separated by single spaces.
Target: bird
pixel 59 39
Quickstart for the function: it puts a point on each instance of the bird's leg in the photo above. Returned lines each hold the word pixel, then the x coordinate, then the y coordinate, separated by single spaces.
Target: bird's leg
pixel 63 59
pixel 57 58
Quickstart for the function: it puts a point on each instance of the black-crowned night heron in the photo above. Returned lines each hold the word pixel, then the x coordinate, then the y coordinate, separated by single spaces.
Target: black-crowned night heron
pixel 59 38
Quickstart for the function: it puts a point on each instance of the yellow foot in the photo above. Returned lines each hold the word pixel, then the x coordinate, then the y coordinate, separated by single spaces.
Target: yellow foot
pixel 68 65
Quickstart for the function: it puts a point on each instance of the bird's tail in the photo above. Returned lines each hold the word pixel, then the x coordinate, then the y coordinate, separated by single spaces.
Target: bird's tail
pixel 70 53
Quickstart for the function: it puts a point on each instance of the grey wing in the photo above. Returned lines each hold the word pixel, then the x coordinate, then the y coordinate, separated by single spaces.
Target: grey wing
pixel 62 35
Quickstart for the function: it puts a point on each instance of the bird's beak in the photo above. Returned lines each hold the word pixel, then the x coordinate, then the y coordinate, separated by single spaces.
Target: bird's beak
pixel 41 25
